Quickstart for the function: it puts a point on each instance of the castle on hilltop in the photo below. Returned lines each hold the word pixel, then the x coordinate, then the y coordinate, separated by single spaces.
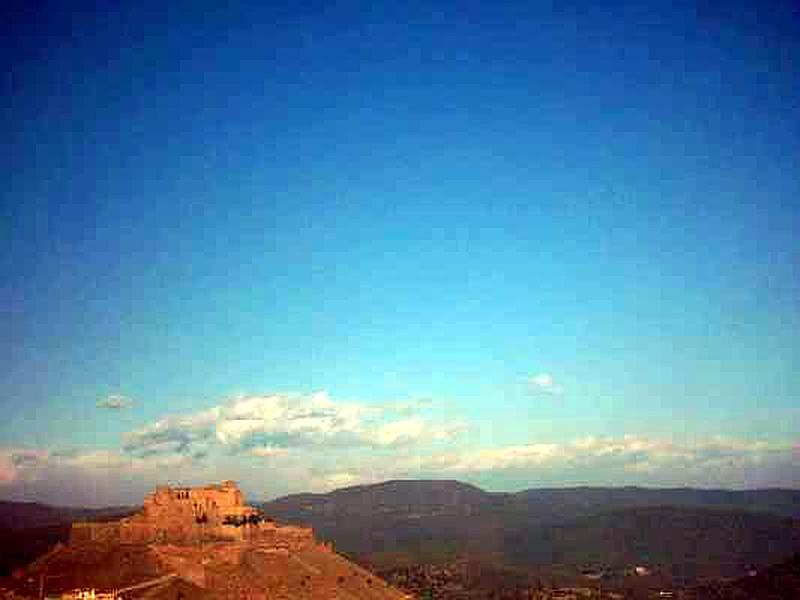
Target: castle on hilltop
pixel 186 515
pixel 194 542
pixel 212 505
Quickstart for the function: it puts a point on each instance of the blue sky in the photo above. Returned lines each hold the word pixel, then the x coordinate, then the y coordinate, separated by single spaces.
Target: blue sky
pixel 425 205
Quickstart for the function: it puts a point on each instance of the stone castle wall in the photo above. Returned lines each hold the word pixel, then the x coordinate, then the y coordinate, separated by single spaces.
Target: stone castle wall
pixel 132 531
pixel 211 504
pixel 101 533
pixel 191 515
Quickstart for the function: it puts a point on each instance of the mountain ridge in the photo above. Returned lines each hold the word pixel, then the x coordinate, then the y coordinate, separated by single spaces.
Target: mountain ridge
pixel 435 520
pixel 783 501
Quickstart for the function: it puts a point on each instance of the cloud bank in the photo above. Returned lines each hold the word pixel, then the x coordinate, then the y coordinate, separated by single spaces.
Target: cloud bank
pixel 274 424
pixel 283 443
pixel 634 459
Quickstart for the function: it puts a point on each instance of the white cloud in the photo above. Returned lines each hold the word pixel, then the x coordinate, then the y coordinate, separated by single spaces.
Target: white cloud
pixel 543 383
pixel 286 421
pixel 16 463
pixel 491 459
pixel 313 441
pixel 188 434
pixel 268 451
pixel 101 477
pixel 413 430
pixel 115 402
pixel 625 459
pixel 87 478
pixel 398 431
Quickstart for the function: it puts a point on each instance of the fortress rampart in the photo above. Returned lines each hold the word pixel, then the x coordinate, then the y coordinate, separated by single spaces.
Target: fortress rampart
pixel 192 515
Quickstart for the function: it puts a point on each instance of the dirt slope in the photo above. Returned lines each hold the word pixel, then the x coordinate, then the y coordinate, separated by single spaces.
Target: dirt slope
pixel 215 571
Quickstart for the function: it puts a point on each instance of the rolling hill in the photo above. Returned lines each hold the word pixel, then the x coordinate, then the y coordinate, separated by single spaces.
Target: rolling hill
pixel 688 533
pixel 30 528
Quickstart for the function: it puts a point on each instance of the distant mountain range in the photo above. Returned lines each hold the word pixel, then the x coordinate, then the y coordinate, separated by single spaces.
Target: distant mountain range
pixel 29 529
pixel 27 515
pixel 689 534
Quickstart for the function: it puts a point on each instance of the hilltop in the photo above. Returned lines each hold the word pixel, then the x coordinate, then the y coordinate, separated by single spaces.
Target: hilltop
pixel 536 526
pixel 198 542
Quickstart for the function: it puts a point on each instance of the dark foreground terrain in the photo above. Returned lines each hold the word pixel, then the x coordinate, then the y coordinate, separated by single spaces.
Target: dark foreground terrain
pixel 778 582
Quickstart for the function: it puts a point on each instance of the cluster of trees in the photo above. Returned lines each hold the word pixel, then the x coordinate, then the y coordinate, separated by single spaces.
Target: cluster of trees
pixel 236 520
pixel 239 520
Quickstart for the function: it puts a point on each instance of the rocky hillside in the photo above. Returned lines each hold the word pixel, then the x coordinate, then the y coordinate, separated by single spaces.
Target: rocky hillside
pixel 215 571
pixel 177 546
